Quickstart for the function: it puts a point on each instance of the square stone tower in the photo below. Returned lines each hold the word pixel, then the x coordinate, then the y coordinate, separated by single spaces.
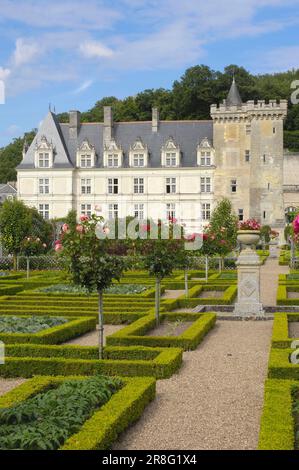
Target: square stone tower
pixel 248 142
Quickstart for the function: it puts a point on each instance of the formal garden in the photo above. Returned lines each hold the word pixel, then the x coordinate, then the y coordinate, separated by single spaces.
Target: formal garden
pixel 97 329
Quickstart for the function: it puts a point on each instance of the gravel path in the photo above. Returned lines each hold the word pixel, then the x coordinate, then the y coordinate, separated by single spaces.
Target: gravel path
pixel 172 294
pixel 215 401
pixel 294 329
pixel 269 280
pixel 92 338
pixel 8 384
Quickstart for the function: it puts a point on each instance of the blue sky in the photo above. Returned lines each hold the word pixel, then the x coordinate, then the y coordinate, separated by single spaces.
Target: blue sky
pixel 72 53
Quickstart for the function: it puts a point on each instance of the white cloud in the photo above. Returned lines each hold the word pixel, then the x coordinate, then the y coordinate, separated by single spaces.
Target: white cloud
pixel 84 86
pixel 4 73
pixel 25 52
pixel 95 49
pixel 279 59
pixel 13 130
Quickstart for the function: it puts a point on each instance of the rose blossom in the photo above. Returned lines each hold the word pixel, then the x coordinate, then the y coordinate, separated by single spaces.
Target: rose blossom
pixel 65 228
pixel 80 228
pixel 84 218
pixel 58 247
pixel 296 224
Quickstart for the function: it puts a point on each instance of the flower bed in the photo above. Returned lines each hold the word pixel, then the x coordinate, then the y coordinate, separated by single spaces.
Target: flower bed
pixel 127 289
pixel 27 360
pixel 229 294
pixel 72 328
pixel 100 429
pixel 188 340
pixel 277 430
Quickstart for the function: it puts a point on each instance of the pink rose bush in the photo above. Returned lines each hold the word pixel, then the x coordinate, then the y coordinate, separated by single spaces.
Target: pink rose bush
pixel 250 224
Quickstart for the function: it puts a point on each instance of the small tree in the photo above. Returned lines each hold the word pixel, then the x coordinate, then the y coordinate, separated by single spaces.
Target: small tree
pixel 15 225
pixel 161 257
pixel 32 246
pixel 87 251
pixel 223 229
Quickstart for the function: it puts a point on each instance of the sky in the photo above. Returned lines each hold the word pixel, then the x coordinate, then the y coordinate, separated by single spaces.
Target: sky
pixel 71 53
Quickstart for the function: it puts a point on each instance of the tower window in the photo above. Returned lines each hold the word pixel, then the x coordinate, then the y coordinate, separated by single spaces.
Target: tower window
pixel 241 214
pixel 274 130
pixel 234 186
pixel 264 214
pixel 248 129
pixel 247 155
pixel 264 158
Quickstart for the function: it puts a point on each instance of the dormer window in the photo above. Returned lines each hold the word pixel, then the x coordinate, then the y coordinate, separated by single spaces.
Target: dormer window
pixel 205 153
pixel 44 153
pixel 170 154
pixel 138 154
pixel 112 155
pixel 86 155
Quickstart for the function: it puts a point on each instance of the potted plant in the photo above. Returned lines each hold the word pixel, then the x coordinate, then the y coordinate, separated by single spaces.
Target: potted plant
pixel 249 232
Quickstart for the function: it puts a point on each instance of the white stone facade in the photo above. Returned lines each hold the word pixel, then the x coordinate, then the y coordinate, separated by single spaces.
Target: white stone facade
pixel 163 168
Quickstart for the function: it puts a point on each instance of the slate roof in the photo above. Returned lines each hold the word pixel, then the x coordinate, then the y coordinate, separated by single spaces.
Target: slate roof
pixel 233 97
pixel 187 134
pixel 7 189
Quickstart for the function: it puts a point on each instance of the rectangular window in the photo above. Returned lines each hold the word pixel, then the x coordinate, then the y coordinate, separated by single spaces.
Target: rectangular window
pixel 85 186
pixel 264 214
pixel 264 158
pixel 170 185
pixel 206 211
pixel 205 184
pixel 113 161
pixel 241 214
pixel 274 130
pixel 86 209
pixel 234 186
pixel 248 129
pixel 138 185
pixel 43 185
pixel 170 159
pixel 138 159
pixel 205 158
pixel 139 211
pixel 113 211
pixel 43 210
pixel 44 160
pixel 85 161
pixel 112 185
pixel 170 211
pixel 247 155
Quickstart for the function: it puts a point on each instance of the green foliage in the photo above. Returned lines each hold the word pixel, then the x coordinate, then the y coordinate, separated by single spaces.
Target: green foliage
pixel 11 156
pixel 18 222
pixel 127 289
pixel 222 230
pixel 45 421
pixel 13 324
pixel 277 423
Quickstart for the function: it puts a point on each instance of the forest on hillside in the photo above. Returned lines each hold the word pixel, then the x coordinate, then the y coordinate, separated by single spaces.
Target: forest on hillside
pixel 189 98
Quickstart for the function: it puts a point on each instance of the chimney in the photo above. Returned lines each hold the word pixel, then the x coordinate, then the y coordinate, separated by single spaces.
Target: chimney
pixel 74 123
pixel 108 124
pixel 155 119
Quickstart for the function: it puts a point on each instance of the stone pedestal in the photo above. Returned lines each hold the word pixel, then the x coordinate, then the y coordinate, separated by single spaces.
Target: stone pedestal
pixel 272 250
pixel 248 303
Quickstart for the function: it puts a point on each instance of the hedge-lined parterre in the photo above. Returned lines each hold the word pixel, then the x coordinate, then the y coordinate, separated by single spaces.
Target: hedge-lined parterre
pixel 280 333
pixel 57 334
pixel 282 294
pixel 29 360
pixel 280 365
pixel 188 340
pixel 103 427
pixel 227 298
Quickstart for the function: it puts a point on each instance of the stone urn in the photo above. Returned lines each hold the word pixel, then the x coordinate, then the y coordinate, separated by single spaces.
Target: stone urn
pixel 248 238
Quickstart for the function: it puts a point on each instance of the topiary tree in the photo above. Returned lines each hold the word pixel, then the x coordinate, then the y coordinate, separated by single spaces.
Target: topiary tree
pixel 32 246
pixel 87 252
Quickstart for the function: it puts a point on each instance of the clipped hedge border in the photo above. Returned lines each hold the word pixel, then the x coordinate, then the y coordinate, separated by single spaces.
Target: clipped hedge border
pixel 104 426
pixel 280 334
pixel 10 289
pixel 280 366
pixel 55 335
pixel 277 430
pixel 229 295
pixel 188 340
pixel 282 294
pixel 161 363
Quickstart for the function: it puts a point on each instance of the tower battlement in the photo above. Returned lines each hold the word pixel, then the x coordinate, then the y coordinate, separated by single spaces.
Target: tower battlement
pixel 257 109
